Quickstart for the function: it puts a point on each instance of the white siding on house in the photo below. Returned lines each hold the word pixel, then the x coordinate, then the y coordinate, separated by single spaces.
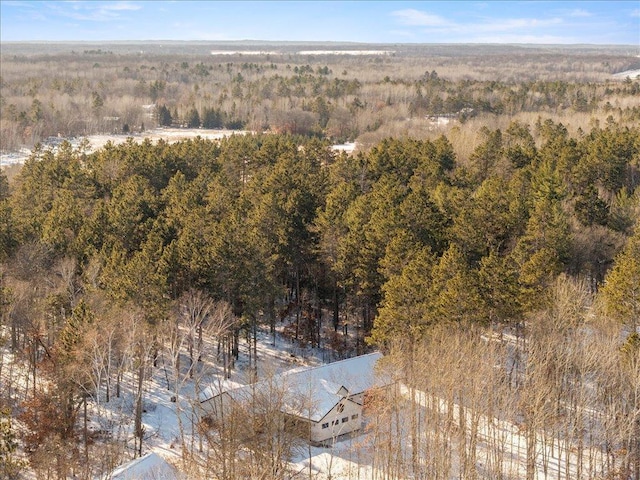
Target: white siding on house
pixel 337 422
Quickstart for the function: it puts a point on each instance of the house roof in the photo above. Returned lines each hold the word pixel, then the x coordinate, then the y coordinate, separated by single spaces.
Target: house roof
pixel 216 388
pixel 148 467
pixel 312 392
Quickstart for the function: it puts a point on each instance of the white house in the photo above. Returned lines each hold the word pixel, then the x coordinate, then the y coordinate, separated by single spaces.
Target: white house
pixel 326 400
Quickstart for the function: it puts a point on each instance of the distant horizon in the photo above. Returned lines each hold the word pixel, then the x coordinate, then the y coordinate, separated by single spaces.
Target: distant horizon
pixel 366 22
pixel 311 42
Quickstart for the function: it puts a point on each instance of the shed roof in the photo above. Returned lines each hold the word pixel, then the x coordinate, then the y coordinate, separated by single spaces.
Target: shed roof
pixel 148 467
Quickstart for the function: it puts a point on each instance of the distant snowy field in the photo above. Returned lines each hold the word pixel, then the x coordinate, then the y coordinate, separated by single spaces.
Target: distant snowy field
pixel 96 142
pixel 627 73
pixel 171 135
pixel 304 52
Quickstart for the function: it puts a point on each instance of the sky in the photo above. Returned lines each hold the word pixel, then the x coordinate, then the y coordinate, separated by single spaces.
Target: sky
pixel 533 22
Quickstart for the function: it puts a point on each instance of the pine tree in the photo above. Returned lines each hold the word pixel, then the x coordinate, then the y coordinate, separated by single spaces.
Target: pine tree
pixel 164 116
pixel 621 291
pixel 454 296
pixel 193 119
pixel 405 312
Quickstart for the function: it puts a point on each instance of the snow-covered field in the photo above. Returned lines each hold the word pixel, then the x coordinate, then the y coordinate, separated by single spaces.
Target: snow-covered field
pixel 345 147
pixel 346 52
pixel 304 52
pixel 96 142
pixel 628 73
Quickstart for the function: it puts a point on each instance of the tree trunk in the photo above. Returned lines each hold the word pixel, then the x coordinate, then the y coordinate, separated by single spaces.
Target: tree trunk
pixel 255 345
pixel 139 430
pixel 84 434
pixel 336 307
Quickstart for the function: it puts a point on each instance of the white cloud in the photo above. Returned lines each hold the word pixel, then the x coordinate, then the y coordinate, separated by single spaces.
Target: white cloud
pixel 512 24
pixel 118 6
pixel 93 11
pixel 11 3
pixel 485 29
pixel 419 19
pixel 579 12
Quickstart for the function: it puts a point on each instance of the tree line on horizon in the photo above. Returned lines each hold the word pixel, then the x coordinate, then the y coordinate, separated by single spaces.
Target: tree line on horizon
pixel 334 97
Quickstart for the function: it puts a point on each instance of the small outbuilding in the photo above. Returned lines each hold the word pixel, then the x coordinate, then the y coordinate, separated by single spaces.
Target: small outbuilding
pixel 323 402
pixel 148 467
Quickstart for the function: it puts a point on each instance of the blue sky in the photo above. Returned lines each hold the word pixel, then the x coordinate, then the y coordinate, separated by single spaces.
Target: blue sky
pixel 544 22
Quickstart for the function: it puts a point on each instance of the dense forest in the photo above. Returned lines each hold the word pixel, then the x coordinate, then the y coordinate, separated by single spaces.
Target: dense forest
pixel 498 270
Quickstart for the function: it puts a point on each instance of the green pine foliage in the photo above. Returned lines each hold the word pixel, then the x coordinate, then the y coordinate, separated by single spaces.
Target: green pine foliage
pixel 250 217
pixel 621 289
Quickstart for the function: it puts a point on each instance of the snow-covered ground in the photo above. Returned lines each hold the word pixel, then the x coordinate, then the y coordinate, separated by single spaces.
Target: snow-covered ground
pixel 13 158
pixel 304 52
pixel 165 420
pixel 349 458
pixel 348 147
pixel 96 142
pixel 346 52
pixel 628 73
pixel 168 422
pixel 171 135
pixel 551 461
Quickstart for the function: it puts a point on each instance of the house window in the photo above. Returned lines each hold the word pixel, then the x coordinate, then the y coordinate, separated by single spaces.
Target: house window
pixel 354 416
pixel 325 425
pixel 340 408
pixel 345 419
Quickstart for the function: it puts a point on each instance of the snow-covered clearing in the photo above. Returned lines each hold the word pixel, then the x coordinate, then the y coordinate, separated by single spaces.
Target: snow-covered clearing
pixel 346 52
pixel 96 142
pixel 304 52
pixel 171 135
pixel 627 73
pixel 348 147
pixel 165 421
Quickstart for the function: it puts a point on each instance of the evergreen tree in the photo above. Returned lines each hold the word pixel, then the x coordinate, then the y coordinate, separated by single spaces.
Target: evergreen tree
pixel 212 118
pixel 192 118
pixel 520 148
pixel 487 155
pixel 406 309
pixel 75 328
pixel 543 251
pixel 165 118
pixel 454 297
pixel 621 291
